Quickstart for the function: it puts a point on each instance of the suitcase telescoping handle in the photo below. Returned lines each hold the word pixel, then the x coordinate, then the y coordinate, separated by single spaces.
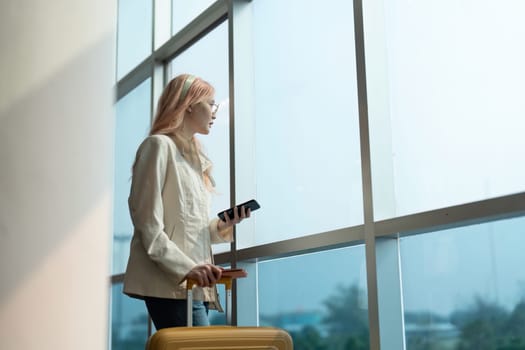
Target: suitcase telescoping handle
pixel 226 279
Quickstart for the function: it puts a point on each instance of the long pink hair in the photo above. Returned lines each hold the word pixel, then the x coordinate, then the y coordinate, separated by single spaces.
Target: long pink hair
pixel 171 110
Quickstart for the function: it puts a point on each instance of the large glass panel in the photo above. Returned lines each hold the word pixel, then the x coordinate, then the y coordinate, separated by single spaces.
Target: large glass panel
pixel 216 317
pixel 129 321
pixel 183 12
pixel 307 132
pixel 208 59
pixel 446 102
pixel 134 34
pixel 132 125
pixel 319 298
pixel 464 288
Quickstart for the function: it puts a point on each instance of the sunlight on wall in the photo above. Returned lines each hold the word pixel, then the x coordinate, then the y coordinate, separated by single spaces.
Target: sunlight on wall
pixel 63 298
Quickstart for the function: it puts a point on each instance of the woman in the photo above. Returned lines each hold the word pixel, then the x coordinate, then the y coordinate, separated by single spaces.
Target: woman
pixel 169 203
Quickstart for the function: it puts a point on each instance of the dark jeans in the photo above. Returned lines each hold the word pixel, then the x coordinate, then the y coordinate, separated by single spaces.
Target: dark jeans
pixel 172 312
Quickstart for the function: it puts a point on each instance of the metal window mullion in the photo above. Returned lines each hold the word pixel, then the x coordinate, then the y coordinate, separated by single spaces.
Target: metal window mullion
pixel 134 78
pixel 202 24
pixel 455 216
pixel 242 132
pixel 161 23
pixel 370 244
pixel 300 245
pixel 231 85
pixel 158 82
pixel 160 31
pixel 387 274
pixel 196 29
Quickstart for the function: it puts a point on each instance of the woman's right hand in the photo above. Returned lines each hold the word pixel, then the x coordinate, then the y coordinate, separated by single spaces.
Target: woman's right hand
pixel 205 275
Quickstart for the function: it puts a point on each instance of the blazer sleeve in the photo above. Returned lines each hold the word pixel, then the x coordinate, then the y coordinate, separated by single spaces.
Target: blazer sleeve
pixel 223 236
pixel 147 210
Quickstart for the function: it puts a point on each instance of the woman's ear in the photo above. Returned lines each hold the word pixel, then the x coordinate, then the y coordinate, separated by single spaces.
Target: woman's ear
pixel 189 109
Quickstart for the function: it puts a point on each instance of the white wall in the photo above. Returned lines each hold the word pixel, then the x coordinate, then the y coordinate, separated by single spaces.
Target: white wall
pixel 56 155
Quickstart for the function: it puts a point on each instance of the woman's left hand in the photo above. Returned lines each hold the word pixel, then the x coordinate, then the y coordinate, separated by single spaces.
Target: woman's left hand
pixel 238 216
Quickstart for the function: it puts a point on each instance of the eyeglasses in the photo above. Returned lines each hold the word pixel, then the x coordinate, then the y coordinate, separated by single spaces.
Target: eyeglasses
pixel 214 107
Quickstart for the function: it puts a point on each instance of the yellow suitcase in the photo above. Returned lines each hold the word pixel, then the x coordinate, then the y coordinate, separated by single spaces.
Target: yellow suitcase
pixel 219 337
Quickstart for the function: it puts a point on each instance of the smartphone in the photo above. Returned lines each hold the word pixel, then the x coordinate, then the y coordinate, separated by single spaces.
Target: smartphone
pixel 251 204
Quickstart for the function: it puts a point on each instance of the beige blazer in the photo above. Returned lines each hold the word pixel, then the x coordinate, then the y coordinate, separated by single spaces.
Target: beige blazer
pixel 169 207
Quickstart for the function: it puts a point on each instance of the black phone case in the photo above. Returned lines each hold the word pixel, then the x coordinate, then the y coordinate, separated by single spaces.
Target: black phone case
pixel 251 204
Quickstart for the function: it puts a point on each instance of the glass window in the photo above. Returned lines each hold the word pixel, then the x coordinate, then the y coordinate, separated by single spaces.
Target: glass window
pixel 452 125
pixel 132 126
pixel 208 59
pixel 134 34
pixel 183 12
pixel 129 321
pixel 319 298
pixel 307 132
pixel 464 288
pixel 215 317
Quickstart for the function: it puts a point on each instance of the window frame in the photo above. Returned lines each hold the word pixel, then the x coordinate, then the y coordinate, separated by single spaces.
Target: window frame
pixel 379 236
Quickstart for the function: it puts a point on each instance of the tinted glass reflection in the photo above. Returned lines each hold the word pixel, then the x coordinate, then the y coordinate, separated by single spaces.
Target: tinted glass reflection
pixel 464 288
pixel 320 298
pixel 129 321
